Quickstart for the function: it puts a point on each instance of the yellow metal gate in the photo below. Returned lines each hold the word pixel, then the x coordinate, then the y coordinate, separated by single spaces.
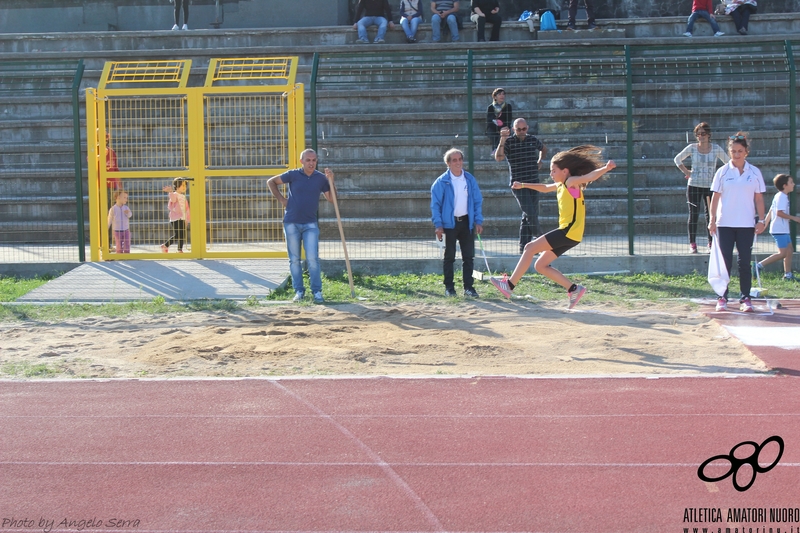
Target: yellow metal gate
pixel 146 126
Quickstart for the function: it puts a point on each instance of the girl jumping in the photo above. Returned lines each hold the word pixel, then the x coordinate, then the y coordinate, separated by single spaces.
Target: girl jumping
pixel 571 171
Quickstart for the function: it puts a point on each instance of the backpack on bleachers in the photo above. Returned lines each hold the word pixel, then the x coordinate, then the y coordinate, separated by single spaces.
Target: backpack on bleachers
pixel 547 22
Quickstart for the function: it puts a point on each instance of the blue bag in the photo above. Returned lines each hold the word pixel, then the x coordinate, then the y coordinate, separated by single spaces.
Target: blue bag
pixel 547 22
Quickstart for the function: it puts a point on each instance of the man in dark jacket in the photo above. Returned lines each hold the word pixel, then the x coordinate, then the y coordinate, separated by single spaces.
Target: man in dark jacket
pixel 373 13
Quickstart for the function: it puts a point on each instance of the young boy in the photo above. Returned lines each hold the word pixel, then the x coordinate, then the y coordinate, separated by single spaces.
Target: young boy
pixel 778 218
pixel 703 9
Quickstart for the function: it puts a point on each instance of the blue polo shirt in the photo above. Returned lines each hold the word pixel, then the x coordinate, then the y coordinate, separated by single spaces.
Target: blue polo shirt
pixel 303 199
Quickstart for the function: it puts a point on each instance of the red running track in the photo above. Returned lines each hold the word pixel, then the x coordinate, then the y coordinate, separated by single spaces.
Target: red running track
pixel 380 454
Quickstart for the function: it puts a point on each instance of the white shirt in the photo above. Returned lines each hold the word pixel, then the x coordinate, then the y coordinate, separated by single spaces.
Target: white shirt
pixel 736 207
pixel 461 194
pixel 777 225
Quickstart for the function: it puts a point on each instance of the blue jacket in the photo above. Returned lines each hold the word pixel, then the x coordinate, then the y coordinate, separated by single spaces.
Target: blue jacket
pixel 443 202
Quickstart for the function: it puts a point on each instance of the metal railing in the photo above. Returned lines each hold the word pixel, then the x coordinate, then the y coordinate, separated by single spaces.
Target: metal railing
pixel 384 120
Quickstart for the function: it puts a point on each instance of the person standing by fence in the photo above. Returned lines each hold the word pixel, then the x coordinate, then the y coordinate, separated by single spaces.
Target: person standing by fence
pixel 184 5
pixel 179 214
pixel 704 156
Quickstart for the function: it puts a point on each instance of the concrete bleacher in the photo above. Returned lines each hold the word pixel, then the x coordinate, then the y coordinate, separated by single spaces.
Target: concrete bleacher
pixel 385 174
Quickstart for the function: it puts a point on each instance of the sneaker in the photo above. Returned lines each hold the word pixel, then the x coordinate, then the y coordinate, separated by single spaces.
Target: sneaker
pixel 745 305
pixel 185 27
pixel 175 27
pixel 411 40
pixel 742 31
pixel 789 277
pixel 180 251
pixel 722 304
pixel 687 34
pixel 692 248
pixel 164 249
pixel 576 295
pixel 592 25
pixel 471 293
pixel 318 299
pixel 378 41
pixel 571 26
pixel 362 41
pixel 502 285
pixel 719 34
pixel 450 293
pixel 299 296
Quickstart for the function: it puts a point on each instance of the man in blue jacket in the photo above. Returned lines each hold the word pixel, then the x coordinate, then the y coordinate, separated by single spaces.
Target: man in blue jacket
pixel 456 204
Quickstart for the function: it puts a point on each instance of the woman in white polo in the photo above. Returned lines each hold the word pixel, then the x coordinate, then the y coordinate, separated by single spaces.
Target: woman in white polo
pixel 737 214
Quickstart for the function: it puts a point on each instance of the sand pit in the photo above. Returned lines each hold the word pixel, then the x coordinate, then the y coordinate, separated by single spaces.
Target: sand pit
pixel 469 338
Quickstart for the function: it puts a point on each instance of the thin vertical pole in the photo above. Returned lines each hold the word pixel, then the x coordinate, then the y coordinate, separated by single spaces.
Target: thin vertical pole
pixel 629 141
pixel 76 133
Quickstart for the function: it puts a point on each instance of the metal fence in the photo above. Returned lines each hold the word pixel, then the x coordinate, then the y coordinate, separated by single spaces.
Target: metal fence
pixel 40 197
pixel 225 139
pixel 384 120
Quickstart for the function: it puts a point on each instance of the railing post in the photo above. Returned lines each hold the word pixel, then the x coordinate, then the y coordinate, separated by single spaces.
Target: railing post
pixel 629 141
pixel 313 103
pixel 76 133
pixel 792 133
pixel 470 144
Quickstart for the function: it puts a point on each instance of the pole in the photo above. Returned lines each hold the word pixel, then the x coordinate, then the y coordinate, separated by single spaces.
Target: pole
pixel 329 175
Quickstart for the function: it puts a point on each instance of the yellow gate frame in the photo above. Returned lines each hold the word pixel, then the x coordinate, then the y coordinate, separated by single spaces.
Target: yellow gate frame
pixel 232 77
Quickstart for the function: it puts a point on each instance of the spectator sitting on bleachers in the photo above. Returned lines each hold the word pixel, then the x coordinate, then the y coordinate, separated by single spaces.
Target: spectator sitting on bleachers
pixel 410 17
pixel 741 10
pixel 484 11
pixel 373 13
pixel 703 9
pixel 445 12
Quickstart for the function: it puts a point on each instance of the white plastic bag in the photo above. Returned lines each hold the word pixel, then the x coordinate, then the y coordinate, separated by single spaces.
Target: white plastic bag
pixel 717 273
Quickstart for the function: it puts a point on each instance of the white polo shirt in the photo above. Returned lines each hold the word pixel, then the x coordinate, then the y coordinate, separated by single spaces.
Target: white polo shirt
pixel 736 207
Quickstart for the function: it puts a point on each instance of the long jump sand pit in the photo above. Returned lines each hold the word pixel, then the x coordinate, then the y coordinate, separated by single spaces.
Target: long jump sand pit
pixel 456 338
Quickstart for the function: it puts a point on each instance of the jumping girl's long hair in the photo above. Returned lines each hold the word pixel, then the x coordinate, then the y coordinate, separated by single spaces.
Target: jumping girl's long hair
pixel 579 160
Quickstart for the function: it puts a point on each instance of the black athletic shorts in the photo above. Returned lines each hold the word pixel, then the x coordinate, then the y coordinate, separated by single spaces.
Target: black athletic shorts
pixel 559 241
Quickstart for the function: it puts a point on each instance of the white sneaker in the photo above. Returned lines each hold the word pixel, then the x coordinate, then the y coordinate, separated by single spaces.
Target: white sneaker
pixel 175 27
pixel 502 285
pixel 318 299
pixel 687 34
pixel 719 34
pixel 185 27
pixel 722 304
pixel 576 295
pixel 746 306
pixel 298 296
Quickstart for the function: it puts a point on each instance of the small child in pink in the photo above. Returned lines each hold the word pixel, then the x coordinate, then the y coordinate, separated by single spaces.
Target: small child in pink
pixel 118 221
pixel 179 215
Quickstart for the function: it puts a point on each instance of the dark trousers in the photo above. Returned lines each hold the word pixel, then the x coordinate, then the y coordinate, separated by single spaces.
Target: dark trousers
pixel 495 20
pixel 466 240
pixel 178 233
pixel 743 239
pixel 573 10
pixel 529 229
pixel 178 5
pixel 741 15
pixel 698 199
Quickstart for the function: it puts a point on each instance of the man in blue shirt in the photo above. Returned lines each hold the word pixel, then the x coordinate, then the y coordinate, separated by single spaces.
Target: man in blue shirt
pixel 300 219
pixel 456 209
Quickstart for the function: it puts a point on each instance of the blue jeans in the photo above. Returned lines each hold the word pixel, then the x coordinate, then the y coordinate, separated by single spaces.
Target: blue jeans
pixel 701 14
pixel 308 235
pixel 436 27
pixel 410 26
pixel 366 22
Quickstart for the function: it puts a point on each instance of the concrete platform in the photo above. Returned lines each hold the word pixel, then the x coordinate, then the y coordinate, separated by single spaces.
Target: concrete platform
pixel 175 281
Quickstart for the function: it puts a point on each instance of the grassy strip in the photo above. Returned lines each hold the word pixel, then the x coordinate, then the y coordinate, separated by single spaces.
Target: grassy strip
pixel 618 290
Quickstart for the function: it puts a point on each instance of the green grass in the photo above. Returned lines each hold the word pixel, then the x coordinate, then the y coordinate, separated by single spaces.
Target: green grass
pixel 621 290
pixel 28 370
